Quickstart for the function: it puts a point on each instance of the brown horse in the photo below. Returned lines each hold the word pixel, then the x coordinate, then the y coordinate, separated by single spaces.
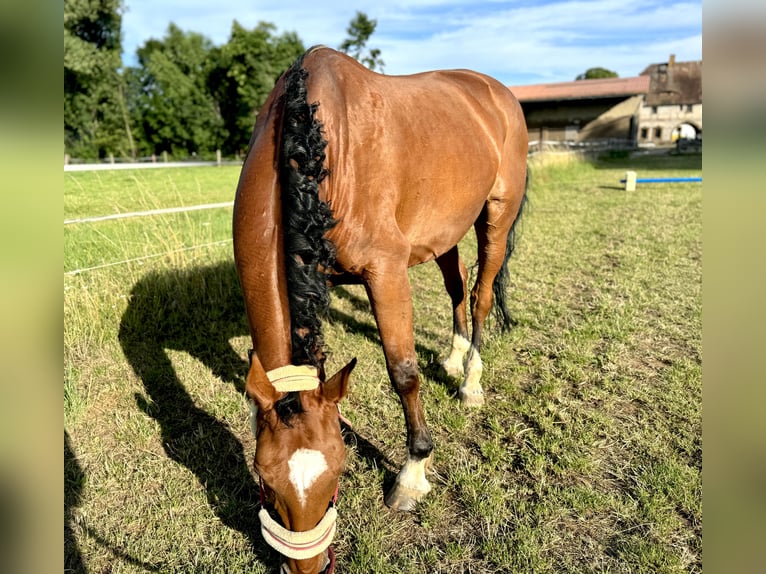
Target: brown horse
pixel 354 176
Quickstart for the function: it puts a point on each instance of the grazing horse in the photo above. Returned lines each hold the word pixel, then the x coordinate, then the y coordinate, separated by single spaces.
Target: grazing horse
pixel 353 176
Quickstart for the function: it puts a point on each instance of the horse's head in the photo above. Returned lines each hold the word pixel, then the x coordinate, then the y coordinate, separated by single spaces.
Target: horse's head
pixel 299 456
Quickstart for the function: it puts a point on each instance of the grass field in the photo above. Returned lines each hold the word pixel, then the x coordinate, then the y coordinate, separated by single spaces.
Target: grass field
pixel 587 456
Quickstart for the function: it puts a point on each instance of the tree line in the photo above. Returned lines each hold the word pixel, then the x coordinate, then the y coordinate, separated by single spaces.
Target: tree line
pixel 186 96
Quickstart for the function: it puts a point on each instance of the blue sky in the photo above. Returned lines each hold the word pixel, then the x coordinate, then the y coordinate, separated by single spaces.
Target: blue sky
pixel 517 41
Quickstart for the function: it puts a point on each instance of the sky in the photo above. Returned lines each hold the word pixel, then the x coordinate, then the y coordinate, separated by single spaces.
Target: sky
pixel 519 42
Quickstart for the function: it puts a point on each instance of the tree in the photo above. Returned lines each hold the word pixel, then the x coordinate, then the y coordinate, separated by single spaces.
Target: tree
pixel 242 75
pixel 169 99
pixel 94 109
pixel 359 30
pixel 596 73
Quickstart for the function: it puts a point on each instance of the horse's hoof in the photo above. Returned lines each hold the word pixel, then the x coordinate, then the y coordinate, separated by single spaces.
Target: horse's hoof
pixel 472 398
pixel 403 498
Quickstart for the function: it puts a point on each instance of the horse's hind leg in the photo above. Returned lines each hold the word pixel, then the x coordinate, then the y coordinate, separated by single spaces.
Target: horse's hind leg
pixel 454 274
pixel 389 292
pixel 492 230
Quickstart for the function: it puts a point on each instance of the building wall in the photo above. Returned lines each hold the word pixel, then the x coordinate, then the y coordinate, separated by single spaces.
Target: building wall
pixel 617 123
pixel 659 125
pixel 563 120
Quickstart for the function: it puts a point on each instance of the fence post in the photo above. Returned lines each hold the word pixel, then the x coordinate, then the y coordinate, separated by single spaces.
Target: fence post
pixel 154 158
pixel 66 159
pixel 218 157
pixel 111 158
pixel 165 157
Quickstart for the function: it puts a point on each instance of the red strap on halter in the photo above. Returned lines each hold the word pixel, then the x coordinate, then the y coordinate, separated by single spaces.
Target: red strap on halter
pixel 331 566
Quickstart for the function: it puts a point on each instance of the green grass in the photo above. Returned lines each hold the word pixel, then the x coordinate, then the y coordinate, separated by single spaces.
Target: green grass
pixel 585 458
pixel 93 193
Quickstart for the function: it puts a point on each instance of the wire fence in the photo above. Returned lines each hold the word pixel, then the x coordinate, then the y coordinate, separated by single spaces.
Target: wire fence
pixel 535 147
pixel 613 145
pixel 592 146
pixel 147 213
pixel 146 257
pixel 162 211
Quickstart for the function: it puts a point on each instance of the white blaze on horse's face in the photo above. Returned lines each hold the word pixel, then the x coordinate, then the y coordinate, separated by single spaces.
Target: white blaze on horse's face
pixel 305 467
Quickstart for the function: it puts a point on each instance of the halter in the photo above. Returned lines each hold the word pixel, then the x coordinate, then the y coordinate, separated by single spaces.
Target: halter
pixel 309 543
pixel 301 545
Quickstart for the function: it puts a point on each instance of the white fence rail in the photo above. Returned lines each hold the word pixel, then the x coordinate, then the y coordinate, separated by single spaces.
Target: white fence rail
pixel 148 162
pixel 99 166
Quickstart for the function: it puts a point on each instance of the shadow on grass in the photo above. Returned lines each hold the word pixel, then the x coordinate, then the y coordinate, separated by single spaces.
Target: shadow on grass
pixel 430 368
pixel 659 161
pixel 74 480
pixel 196 311
pixel 370 455
pixel 369 330
pixel 612 187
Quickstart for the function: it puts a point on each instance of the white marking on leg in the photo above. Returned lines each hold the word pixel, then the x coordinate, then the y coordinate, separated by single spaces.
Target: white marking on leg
pixel 413 475
pixel 453 365
pixel 471 389
pixel 305 467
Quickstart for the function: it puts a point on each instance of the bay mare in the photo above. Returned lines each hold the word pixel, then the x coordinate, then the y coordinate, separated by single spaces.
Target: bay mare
pixel 353 176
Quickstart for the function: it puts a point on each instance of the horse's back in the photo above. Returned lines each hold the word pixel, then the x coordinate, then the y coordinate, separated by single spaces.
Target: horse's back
pixel 417 155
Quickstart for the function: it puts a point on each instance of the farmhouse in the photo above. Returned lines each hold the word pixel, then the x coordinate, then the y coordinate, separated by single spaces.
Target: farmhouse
pixel 673 105
pixel 656 108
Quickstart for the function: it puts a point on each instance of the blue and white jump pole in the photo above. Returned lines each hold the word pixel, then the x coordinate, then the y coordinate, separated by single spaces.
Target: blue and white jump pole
pixel 631 180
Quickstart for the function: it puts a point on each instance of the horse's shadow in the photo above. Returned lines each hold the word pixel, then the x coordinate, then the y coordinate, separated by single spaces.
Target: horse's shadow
pixel 195 311
pixel 74 479
pixel 198 311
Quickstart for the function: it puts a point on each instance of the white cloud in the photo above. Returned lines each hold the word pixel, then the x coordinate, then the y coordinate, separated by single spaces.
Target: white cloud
pixel 517 41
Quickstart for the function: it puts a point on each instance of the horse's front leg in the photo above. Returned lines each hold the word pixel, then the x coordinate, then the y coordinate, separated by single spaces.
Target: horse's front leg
pixel 389 293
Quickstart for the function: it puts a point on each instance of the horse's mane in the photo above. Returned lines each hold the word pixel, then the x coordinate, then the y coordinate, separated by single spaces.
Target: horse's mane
pixel 306 218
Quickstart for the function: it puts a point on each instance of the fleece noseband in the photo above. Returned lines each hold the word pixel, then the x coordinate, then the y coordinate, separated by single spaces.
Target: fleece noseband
pixel 299 545
pixel 294 378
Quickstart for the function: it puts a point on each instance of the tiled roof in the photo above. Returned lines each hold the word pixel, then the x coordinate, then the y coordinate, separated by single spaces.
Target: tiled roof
pixel 582 89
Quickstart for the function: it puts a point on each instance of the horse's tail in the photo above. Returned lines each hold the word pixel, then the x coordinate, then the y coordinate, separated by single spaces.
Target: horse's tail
pixel 305 217
pixel 500 285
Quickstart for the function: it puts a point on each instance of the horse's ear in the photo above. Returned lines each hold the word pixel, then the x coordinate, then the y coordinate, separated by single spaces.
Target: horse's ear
pixel 258 386
pixel 337 387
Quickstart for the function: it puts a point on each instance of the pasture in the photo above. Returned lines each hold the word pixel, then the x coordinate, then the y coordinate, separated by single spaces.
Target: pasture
pixel 587 456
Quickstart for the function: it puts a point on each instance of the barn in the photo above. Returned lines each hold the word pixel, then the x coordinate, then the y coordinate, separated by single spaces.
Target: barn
pixel 655 108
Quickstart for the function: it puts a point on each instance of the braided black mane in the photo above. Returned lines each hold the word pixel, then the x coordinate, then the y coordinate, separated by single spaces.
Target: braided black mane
pixel 306 219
